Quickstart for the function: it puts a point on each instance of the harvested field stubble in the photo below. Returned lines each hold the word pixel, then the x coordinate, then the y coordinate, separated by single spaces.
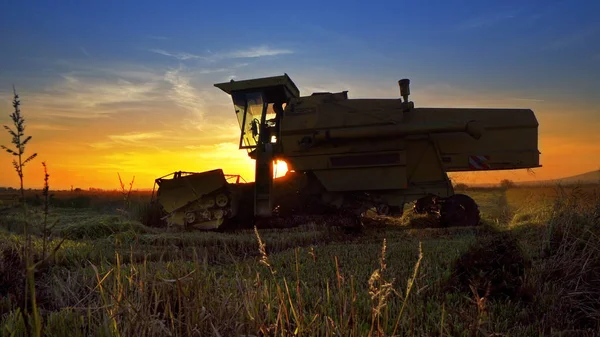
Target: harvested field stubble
pixel 569 267
pixel 534 268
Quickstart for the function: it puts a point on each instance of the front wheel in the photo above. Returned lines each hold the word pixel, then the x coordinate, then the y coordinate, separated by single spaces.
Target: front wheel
pixel 426 204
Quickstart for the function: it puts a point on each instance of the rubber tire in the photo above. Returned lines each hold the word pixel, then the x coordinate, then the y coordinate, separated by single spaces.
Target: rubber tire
pixel 459 210
pixel 425 205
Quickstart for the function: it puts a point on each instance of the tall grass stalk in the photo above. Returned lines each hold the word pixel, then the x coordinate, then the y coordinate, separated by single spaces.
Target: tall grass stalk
pixel 379 290
pixel 409 287
pixel 19 141
pixel 126 193
pixel 46 228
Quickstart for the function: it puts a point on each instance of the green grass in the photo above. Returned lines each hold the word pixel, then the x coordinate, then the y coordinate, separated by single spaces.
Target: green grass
pixel 114 276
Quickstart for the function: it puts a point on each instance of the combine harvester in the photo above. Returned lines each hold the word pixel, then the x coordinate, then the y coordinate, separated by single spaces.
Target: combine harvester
pixel 346 156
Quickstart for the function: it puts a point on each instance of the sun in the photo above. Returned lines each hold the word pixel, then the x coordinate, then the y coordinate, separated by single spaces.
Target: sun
pixel 280 168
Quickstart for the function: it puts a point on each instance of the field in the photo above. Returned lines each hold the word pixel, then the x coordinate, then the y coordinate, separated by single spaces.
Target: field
pixel 531 269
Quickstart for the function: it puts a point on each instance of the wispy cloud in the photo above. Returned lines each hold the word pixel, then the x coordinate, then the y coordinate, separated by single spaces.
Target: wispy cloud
pixel 47 127
pixel 160 139
pixel 532 100
pixel 260 51
pixel 219 150
pixel 178 55
pixel 85 52
pixel 578 37
pixel 80 91
pixel 253 52
pixel 183 93
pixel 157 37
pixel 129 140
pixel 136 137
pixel 80 97
pixel 486 20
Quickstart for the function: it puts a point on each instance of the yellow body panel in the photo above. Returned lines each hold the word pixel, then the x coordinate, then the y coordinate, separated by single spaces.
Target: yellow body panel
pixel 428 142
pixel 378 151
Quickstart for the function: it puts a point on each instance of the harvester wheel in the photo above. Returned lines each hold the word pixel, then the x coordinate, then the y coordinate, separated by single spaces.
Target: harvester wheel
pixel 190 217
pixel 426 204
pixel 383 209
pixel 221 200
pixel 459 210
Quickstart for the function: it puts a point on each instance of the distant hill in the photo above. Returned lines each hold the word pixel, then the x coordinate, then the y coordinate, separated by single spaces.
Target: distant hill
pixel 584 178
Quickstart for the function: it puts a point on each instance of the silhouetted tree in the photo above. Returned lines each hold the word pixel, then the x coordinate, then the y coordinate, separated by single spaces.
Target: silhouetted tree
pixel 505 183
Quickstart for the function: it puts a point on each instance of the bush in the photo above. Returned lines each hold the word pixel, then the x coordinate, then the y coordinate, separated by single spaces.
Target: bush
pixel 494 266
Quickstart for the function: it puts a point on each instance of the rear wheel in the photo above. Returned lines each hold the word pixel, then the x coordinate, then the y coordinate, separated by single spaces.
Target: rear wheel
pixel 459 210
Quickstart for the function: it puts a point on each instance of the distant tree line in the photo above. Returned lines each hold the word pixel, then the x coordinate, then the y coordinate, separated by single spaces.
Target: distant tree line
pixel 506 183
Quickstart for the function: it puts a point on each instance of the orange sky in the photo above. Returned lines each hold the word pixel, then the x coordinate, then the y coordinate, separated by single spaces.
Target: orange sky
pixel 86 141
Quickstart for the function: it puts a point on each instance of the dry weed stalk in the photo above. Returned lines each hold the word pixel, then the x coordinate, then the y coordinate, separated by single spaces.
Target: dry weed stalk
pixel 480 303
pixel 379 290
pixel 126 193
pixel 46 229
pixel 409 286
pixel 19 140
pixel 264 258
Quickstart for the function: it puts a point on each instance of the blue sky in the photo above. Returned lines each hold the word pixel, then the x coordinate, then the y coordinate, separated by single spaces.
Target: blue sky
pixel 529 45
pixel 115 75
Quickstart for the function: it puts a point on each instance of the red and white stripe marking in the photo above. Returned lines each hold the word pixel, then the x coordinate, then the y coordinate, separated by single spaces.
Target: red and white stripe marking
pixel 479 162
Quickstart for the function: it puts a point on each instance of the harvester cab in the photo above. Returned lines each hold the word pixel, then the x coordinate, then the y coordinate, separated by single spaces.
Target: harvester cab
pixel 259 105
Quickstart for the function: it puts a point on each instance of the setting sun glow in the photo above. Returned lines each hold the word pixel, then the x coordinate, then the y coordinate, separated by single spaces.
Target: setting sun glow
pixel 280 168
pixel 137 98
